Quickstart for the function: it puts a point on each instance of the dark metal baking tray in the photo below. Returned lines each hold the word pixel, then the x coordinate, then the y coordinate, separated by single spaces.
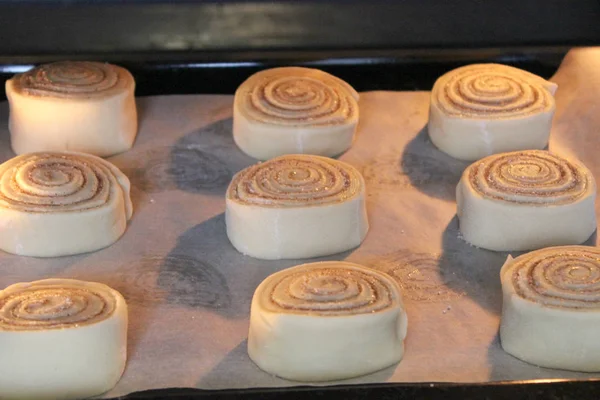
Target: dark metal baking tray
pixel 232 30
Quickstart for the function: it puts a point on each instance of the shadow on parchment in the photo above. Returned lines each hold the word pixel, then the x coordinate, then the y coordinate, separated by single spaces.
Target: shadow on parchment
pixel 202 161
pixel 429 170
pixel 477 270
pixel 213 142
pixel 193 273
pixel 237 371
pixel 592 241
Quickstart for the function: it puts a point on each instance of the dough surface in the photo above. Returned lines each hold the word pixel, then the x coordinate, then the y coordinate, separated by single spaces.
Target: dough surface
pixel 551 308
pixel 326 321
pixel 61 339
pixel 76 106
pixel 61 203
pixel 294 110
pixel 526 200
pixel 485 109
pixel 296 206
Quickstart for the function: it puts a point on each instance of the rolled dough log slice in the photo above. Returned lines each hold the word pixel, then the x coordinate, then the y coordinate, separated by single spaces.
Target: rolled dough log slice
pixel 61 203
pixel 61 339
pixel 76 106
pixel 326 321
pixel 294 110
pixel 526 200
pixel 296 206
pixel 551 308
pixel 484 109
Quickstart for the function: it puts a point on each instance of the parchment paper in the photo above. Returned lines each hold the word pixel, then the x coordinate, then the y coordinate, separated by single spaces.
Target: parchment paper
pixel 189 291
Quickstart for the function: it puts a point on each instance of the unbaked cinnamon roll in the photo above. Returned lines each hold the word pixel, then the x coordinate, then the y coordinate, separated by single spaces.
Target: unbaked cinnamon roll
pixel 296 206
pixel 325 321
pixel 526 200
pixel 77 106
pixel 61 203
pixel 551 308
pixel 294 110
pixel 67 336
pixel 484 109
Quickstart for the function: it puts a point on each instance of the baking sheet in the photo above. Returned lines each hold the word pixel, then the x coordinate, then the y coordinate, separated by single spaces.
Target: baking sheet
pixel 189 291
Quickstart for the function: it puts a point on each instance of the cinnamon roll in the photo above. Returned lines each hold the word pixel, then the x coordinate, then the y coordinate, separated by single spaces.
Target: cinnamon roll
pixel 296 206
pixel 551 308
pixel 326 321
pixel 294 110
pixel 77 106
pixel 526 200
pixel 61 339
pixel 61 203
pixel 484 109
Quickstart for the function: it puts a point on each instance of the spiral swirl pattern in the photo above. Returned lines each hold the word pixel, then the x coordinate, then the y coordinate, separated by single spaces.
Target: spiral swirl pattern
pixel 296 180
pixel 534 177
pixel 70 79
pixel 558 277
pixel 54 304
pixel 297 97
pixel 329 288
pixel 57 182
pixel 491 91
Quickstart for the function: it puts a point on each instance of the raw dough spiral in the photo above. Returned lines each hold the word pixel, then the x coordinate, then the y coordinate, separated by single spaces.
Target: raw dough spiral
pixel 296 206
pixel 551 310
pixel 492 91
pixel 298 180
pixel 50 182
pixel 48 306
pixel 530 177
pixel 72 80
pixel 323 291
pixel 298 96
pixel 72 105
pixel 526 200
pixel 304 321
pixel 294 110
pixel 60 203
pixel 67 336
pixel 483 109
pixel 560 277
